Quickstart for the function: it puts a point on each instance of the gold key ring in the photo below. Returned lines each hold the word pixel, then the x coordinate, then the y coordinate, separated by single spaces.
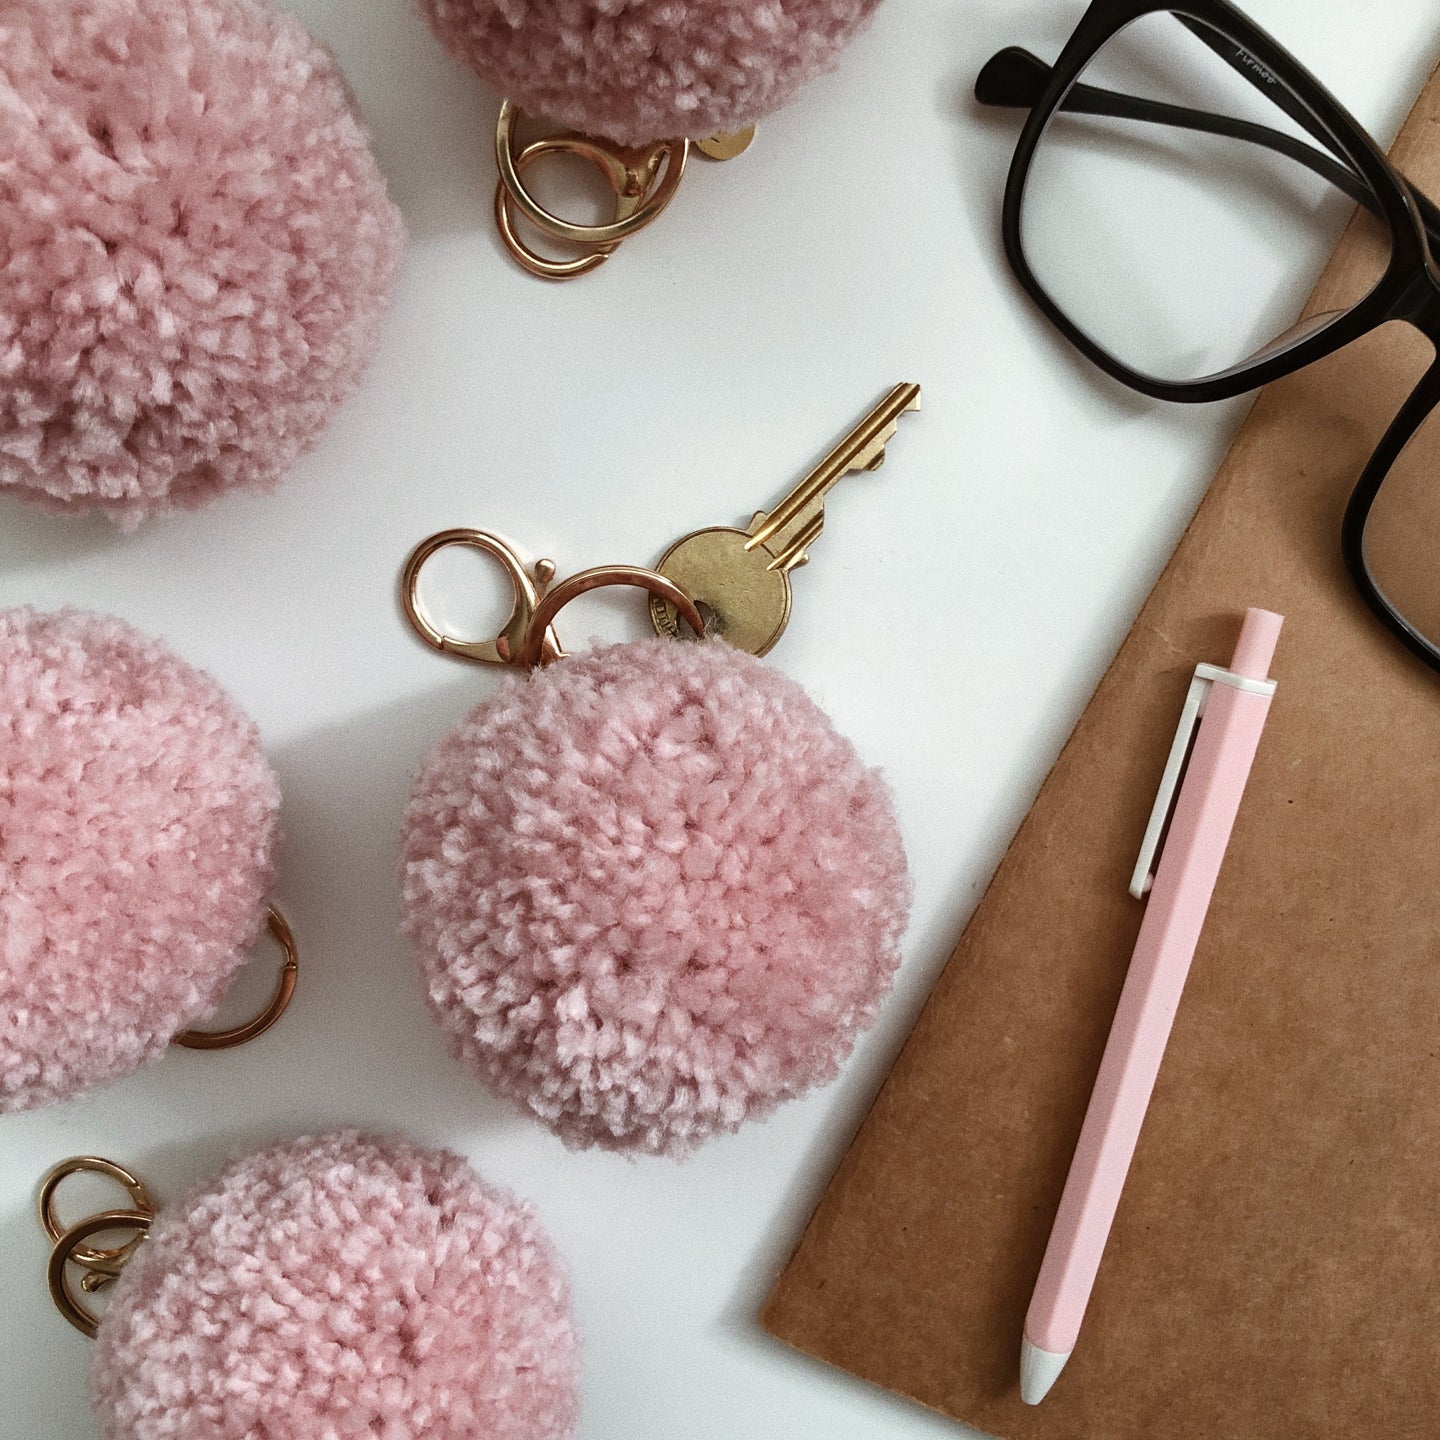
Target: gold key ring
pixel 68 1248
pixel 89 1165
pixel 533 650
pixel 631 171
pixel 279 1001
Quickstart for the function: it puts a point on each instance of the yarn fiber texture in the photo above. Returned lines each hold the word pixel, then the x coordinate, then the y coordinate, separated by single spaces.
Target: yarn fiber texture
pixel 196 248
pixel 338 1287
pixel 137 828
pixel 637 71
pixel 653 893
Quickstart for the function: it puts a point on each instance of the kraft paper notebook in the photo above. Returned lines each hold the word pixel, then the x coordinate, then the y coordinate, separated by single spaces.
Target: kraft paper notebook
pixel 1274 1270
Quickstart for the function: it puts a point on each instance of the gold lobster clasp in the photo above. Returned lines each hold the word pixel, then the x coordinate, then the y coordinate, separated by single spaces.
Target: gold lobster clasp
pixel 528 639
pixel 527 585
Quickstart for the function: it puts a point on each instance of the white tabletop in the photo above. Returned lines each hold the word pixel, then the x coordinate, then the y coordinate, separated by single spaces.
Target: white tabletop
pixel 953 621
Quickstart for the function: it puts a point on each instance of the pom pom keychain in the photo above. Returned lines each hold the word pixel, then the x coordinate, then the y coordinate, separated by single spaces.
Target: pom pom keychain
pixel 137 831
pixel 653 892
pixel 336 1285
pixel 196 248
pixel 638 82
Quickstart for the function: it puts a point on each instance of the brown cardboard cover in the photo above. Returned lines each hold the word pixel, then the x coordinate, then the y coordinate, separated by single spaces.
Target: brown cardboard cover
pixel 1274 1269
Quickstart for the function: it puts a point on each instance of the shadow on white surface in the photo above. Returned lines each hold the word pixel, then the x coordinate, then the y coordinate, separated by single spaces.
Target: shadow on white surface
pixel 360 1008
pixel 33 539
pixel 43 1378
pixel 431 119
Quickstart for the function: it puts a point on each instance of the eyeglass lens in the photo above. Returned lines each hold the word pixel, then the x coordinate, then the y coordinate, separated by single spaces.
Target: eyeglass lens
pixel 1181 253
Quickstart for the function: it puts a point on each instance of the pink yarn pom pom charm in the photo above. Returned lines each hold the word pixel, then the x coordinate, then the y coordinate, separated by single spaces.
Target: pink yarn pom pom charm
pixel 638 71
pixel 137 837
pixel 196 248
pixel 652 891
pixel 327 1287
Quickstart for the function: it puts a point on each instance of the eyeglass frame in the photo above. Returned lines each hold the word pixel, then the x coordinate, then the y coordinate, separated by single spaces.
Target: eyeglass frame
pixel 1408 290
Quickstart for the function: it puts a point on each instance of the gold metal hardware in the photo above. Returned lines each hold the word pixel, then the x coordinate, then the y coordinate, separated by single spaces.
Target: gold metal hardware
pixel 631 171
pixel 643 178
pixel 627 204
pixel 96 1276
pixel 102 1266
pixel 533 651
pixel 727 147
pixel 742 577
pixel 738 580
pixel 279 1002
pixel 528 639
pixel 91 1165
pixel 528 586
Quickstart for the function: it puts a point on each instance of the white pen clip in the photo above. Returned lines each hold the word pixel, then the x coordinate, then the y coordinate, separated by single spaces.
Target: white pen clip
pixel 1190 713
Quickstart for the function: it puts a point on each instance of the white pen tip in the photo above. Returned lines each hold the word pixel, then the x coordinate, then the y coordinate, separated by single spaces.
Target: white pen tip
pixel 1039 1370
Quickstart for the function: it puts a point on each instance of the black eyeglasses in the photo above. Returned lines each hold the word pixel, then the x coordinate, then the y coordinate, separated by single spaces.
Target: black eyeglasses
pixel 1179 181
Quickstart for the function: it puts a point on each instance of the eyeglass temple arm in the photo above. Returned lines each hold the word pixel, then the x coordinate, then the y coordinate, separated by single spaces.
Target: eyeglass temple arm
pixel 1015 78
pixel 1239 59
pixel 1244 64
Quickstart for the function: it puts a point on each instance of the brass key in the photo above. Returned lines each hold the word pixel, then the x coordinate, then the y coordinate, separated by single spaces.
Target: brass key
pixel 740 579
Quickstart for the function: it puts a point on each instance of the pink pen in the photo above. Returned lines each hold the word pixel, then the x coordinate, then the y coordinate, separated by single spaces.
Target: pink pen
pixel 1234 704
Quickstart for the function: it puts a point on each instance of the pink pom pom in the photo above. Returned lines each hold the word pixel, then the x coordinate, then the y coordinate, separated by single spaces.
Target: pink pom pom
pixel 653 893
pixel 644 70
pixel 340 1286
pixel 137 821
pixel 195 250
